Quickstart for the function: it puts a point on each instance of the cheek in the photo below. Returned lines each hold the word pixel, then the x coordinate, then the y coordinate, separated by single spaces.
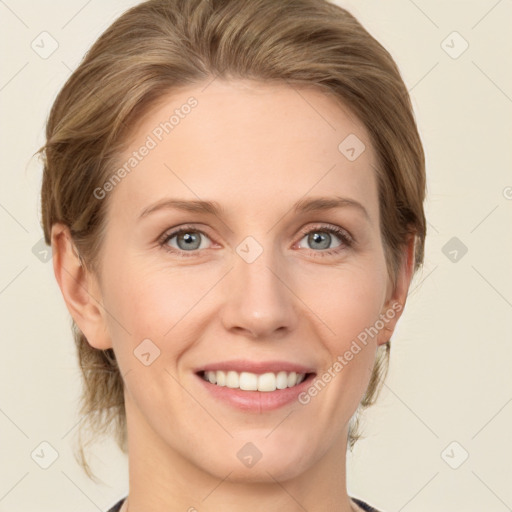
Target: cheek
pixel 348 299
pixel 144 302
pixel 349 302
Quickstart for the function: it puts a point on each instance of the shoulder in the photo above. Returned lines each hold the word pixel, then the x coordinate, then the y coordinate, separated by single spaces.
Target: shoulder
pixel 117 506
pixel 364 505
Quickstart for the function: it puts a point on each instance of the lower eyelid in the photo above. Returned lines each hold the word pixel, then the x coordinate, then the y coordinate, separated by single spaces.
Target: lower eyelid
pixel 345 240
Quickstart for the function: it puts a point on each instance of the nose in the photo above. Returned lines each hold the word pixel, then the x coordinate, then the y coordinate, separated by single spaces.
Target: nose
pixel 259 301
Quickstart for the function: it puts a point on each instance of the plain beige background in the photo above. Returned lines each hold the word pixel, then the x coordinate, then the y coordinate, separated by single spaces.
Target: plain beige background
pixel 449 391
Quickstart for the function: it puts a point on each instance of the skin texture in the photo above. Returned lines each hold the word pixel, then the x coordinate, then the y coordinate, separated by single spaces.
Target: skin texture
pixel 255 149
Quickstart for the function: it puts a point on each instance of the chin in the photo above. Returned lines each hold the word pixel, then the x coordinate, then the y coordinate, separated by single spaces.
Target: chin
pixel 257 459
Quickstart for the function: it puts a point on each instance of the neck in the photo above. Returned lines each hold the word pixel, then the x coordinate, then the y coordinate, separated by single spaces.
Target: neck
pixel 160 478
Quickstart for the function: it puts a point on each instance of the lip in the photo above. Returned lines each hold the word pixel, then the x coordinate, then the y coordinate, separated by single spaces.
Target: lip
pixel 255 401
pixel 242 365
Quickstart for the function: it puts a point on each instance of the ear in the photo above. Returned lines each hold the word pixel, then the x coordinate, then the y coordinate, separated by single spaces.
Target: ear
pixel 397 292
pixel 79 288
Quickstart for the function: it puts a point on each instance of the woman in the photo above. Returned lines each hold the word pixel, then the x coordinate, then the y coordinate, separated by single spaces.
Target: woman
pixel 193 162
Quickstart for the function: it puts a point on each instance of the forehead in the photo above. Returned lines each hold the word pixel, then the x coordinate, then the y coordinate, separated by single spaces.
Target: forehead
pixel 247 144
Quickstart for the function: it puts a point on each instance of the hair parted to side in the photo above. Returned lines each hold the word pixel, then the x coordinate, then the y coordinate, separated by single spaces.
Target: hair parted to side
pixel 160 46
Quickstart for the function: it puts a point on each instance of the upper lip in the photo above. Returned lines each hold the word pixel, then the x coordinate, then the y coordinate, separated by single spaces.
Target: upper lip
pixel 259 367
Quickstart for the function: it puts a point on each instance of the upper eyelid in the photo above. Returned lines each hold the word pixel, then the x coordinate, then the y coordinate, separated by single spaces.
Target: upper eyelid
pixel 171 233
pixel 327 227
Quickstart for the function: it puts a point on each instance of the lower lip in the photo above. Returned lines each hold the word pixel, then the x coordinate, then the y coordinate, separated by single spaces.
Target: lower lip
pixel 257 401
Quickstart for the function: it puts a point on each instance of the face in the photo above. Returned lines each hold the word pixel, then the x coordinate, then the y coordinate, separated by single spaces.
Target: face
pixel 242 247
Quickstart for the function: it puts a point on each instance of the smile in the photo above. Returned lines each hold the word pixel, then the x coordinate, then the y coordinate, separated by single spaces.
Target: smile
pixel 247 381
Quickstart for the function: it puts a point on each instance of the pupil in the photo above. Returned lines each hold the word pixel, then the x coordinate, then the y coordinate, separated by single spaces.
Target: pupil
pixel 189 239
pixel 319 238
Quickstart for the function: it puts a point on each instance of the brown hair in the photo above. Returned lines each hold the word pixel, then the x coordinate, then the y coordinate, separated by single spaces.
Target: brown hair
pixel 161 45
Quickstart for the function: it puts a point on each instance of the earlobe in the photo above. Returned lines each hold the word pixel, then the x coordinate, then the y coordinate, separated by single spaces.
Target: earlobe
pixel 397 297
pixel 79 288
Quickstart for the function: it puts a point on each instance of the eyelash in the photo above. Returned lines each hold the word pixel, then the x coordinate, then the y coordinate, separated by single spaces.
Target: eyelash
pixel 346 240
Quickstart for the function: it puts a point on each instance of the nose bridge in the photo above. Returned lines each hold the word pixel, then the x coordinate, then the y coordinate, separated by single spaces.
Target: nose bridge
pixel 258 300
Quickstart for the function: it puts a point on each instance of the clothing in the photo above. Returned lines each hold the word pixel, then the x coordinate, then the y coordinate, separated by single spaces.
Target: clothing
pixel 362 504
pixel 117 506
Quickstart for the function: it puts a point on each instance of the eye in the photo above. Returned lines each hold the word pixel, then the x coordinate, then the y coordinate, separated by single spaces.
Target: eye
pixel 183 240
pixel 188 240
pixel 321 238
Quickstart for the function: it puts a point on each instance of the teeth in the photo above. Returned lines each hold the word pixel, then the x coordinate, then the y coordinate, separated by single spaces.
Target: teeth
pixel 254 382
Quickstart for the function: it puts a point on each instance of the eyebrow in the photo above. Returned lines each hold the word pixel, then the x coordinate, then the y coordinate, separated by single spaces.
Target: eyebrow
pixel 328 203
pixel 213 208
